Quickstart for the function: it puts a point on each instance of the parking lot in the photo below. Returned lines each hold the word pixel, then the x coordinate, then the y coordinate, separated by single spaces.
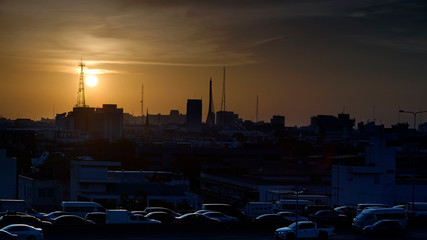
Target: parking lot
pixel 205 231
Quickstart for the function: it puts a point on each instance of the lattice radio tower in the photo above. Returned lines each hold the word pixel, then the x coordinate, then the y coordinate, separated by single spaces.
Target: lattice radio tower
pixel 81 93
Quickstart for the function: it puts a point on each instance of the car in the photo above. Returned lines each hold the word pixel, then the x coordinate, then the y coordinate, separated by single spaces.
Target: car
pixel 52 215
pixel 273 218
pixel 330 217
pixel 96 217
pixel 363 206
pixel 8 219
pixel 24 231
pixel 304 230
pixel 203 211
pixel 70 220
pixel 371 216
pixel 291 216
pixel 195 218
pixel 346 210
pixel 4 235
pixel 161 209
pixel 220 216
pixel 312 209
pixel 143 213
pixel 386 227
pixel 227 209
pixel 163 217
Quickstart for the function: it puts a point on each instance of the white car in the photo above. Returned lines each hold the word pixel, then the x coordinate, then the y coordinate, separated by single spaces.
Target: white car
pixel 220 216
pixel 292 216
pixel 24 231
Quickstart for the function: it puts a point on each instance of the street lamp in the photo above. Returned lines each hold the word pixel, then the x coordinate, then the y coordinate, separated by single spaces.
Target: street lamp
pixel 413 167
pixel 298 191
pixel 415 116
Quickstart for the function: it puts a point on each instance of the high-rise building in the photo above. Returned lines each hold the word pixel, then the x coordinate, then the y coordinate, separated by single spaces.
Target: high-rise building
pixel 113 121
pixel 194 115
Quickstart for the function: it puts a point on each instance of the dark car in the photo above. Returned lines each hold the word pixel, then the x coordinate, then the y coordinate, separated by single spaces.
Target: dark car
pixel 143 213
pixel 347 210
pixel 96 217
pixel 312 209
pixel 386 227
pixel 195 218
pixel 8 219
pixel 161 209
pixel 274 219
pixel 163 217
pixel 330 217
pixel 70 220
pixel 4 235
pixel 227 209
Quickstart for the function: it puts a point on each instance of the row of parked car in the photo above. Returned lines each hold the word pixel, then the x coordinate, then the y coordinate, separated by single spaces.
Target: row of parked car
pixel 371 219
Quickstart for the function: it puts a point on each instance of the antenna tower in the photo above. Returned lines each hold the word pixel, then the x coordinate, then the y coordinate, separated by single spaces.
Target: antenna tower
pixel 142 100
pixel 81 93
pixel 223 93
pixel 210 120
pixel 256 112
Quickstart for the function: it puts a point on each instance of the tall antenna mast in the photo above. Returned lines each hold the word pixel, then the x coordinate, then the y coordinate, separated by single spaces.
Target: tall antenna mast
pixel 223 93
pixel 81 93
pixel 210 120
pixel 142 100
pixel 256 117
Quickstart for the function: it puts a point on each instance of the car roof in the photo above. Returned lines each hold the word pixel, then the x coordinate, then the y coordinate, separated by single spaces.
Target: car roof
pixel 19 225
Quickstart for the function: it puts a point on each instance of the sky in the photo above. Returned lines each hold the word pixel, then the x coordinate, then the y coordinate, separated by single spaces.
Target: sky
pixel 300 57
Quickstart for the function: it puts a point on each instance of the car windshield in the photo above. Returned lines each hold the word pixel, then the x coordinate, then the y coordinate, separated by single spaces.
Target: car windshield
pixel 293 225
pixel 361 215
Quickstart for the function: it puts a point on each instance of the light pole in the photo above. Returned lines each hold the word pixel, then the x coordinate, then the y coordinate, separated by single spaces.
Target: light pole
pixel 415 116
pixel 298 191
pixel 413 167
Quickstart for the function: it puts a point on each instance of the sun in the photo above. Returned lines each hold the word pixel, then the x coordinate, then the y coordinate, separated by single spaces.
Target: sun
pixel 91 80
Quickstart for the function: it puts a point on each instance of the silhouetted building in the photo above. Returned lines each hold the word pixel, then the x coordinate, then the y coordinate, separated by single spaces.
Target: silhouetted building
pixel 194 115
pixel 330 128
pixel 113 121
pixel 422 128
pixel 174 118
pixel 278 121
pixel 105 122
pixel 226 118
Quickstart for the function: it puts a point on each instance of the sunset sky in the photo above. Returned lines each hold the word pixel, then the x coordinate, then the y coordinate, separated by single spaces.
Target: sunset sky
pixel 301 57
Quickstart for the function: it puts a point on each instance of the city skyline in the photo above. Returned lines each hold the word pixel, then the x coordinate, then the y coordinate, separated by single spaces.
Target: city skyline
pixel 302 58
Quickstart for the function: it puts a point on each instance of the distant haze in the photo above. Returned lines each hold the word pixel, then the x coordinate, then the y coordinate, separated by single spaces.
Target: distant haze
pixel 301 57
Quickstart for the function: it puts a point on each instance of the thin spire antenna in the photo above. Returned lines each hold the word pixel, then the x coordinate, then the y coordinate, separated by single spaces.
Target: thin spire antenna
pixel 256 112
pixel 142 100
pixel 223 93
pixel 210 120
pixel 81 102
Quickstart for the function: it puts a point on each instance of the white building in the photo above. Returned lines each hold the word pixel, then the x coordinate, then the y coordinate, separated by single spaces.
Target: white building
pixel 374 182
pixel 89 180
pixel 93 181
pixel 7 176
